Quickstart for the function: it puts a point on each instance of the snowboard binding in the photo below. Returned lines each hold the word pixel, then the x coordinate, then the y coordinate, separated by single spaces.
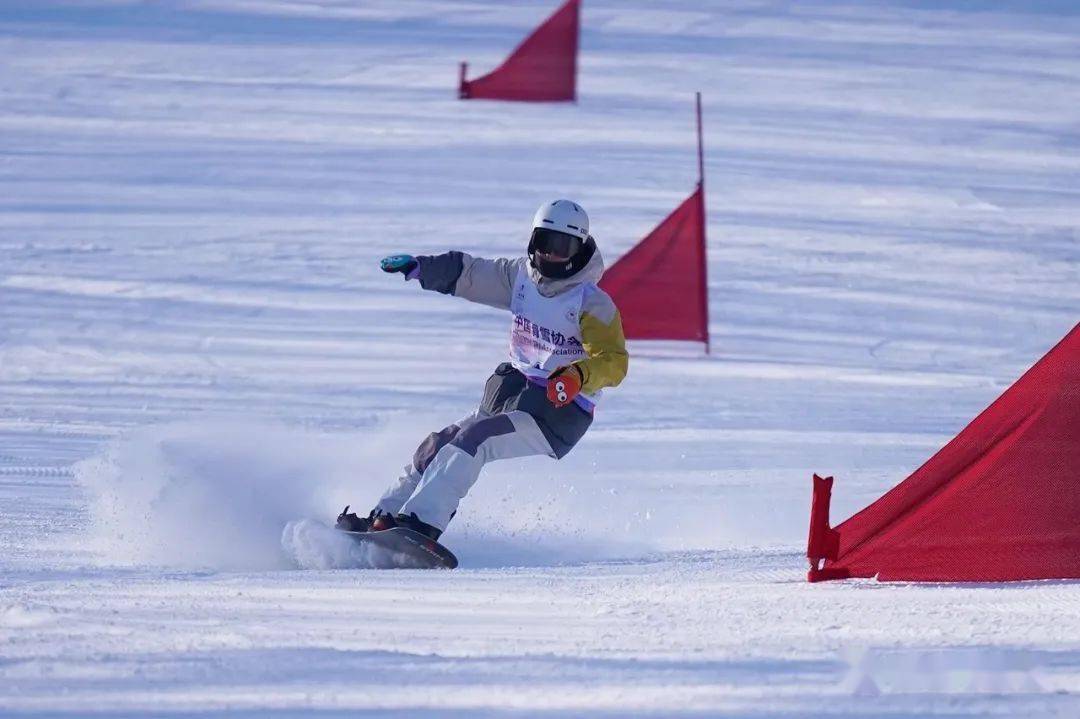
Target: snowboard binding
pixel 405 541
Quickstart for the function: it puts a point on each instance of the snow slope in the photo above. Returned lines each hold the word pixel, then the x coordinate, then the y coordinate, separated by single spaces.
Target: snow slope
pixel 196 347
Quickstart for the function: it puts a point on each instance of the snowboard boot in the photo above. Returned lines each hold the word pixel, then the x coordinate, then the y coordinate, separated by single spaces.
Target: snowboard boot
pixel 375 521
pixel 411 521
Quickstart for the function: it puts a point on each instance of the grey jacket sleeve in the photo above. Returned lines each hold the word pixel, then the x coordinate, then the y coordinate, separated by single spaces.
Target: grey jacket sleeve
pixel 489 282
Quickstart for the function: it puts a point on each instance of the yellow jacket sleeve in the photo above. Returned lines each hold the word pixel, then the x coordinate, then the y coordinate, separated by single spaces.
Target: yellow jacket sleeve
pixel 605 345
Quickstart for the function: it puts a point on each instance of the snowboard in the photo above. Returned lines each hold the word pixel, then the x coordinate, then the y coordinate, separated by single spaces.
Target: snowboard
pixel 401 548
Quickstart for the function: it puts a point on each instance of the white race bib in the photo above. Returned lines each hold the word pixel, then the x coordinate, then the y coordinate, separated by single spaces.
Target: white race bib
pixel 546 333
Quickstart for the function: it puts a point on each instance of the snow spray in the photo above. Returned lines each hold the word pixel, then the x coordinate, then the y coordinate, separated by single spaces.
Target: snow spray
pixel 244 495
pixel 218 494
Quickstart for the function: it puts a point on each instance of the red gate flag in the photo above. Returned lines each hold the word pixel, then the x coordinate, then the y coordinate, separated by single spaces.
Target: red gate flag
pixel 659 286
pixel 543 68
pixel 1000 502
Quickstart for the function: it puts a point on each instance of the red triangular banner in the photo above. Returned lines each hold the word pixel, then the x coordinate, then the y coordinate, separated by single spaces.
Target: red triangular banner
pixel 542 69
pixel 1000 502
pixel 660 285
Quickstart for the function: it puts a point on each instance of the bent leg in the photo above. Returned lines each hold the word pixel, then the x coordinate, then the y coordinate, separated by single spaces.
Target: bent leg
pixel 456 466
pixel 402 488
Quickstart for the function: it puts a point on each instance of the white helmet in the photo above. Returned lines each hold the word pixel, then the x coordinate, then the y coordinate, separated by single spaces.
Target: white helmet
pixel 564 216
pixel 560 245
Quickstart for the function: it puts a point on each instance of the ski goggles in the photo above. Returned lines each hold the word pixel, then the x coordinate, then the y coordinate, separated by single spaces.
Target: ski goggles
pixel 553 242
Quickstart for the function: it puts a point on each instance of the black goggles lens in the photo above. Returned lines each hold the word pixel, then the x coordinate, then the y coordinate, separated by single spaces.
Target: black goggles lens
pixel 553 242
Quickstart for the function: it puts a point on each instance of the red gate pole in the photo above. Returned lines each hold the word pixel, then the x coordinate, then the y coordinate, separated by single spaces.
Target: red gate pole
pixel 462 94
pixel 704 235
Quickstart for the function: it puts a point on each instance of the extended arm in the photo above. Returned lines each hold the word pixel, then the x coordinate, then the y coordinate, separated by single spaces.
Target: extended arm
pixel 489 282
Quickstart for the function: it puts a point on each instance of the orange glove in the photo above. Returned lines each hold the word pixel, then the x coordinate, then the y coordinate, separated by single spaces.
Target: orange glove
pixel 563 385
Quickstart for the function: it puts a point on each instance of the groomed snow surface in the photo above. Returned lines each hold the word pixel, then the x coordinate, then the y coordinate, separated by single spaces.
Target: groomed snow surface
pixel 197 348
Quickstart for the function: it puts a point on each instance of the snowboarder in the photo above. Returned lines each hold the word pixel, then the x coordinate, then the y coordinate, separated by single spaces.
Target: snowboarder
pixel 566 345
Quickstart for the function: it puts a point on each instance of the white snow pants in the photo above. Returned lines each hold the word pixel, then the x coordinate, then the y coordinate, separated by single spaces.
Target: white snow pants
pixel 448 463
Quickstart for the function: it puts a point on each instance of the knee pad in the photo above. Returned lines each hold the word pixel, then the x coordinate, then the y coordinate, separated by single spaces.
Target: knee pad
pixel 430 447
pixel 469 441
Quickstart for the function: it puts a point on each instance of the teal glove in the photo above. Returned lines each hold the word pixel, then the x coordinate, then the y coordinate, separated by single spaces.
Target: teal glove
pixel 404 264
